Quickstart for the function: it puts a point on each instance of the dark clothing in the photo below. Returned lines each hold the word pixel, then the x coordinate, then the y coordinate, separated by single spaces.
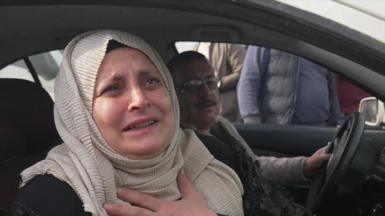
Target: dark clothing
pixel 313 101
pixel 221 151
pixel 57 198
pixel 260 197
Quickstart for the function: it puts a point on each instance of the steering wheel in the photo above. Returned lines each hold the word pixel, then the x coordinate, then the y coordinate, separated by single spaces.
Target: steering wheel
pixel 342 149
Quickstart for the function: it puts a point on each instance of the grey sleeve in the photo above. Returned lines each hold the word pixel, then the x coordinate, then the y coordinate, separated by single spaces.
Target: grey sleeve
pixel 249 84
pixel 284 171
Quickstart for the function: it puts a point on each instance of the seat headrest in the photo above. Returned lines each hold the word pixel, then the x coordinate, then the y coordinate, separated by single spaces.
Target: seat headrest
pixel 28 109
pixel 12 144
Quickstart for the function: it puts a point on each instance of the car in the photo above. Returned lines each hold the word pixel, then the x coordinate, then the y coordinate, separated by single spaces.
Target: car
pixel 345 36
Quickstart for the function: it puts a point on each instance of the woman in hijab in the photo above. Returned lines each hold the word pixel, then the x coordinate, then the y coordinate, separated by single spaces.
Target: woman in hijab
pixel 117 113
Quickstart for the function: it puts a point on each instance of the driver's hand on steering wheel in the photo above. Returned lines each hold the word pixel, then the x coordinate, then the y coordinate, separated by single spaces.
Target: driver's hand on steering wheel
pixel 315 162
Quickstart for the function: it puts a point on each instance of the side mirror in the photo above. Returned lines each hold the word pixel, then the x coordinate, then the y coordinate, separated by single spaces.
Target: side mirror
pixel 372 110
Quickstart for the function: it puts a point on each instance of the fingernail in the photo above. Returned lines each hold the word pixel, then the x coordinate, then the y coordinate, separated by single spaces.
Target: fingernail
pixel 119 190
pixel 107 206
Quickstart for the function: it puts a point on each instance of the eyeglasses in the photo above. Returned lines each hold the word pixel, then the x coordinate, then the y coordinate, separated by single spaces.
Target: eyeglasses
pixel 192 86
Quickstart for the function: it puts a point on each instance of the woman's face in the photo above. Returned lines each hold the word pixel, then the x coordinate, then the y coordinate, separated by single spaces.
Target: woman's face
pixel 132 107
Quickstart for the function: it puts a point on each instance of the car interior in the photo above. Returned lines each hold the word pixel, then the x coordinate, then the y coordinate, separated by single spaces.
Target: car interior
pixel 27 132
pixel 26 114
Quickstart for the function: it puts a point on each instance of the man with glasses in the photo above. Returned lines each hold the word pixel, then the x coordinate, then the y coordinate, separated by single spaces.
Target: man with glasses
pixel 198 94
pixel 226 60
pixel 197 90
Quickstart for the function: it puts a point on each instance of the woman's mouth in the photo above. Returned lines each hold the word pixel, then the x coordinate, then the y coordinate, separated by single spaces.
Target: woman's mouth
pixel 140 126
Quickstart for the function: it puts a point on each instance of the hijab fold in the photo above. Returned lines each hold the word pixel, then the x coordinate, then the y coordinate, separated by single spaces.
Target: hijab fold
pixel 86 162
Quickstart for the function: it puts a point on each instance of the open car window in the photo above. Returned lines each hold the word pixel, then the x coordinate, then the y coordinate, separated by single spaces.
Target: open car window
pixel 277 87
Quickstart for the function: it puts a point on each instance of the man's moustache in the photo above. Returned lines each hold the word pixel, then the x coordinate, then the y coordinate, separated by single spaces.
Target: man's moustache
pixel 204 103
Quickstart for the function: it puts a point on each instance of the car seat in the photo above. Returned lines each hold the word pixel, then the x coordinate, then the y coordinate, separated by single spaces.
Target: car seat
pixel 27 132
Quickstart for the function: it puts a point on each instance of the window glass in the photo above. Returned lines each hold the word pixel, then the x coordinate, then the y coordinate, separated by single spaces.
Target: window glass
pixel 182 46
pixel 45 64
pixel 16 70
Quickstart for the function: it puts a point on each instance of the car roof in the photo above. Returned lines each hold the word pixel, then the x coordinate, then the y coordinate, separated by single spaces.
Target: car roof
pixel 35 26
pixel 367 17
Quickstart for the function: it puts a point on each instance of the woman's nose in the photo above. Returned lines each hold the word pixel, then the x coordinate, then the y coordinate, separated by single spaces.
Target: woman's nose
pixel 138 99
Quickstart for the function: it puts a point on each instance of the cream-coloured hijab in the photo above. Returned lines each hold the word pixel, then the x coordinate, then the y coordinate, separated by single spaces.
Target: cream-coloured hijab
pixel 87 163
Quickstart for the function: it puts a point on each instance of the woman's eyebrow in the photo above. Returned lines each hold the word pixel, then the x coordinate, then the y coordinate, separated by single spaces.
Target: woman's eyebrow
pixel 144 73
pixel 107 79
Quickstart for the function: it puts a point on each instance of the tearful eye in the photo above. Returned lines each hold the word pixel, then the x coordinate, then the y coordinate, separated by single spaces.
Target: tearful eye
pixel 112 88
pixel 152 83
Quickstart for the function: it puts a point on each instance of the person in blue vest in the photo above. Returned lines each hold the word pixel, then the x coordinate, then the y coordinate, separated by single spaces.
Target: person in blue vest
pixel 277 87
